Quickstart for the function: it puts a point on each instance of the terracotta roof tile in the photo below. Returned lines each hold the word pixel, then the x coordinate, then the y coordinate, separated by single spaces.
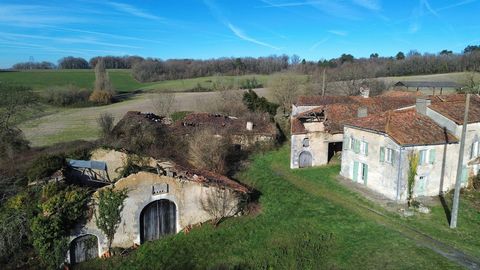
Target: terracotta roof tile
pixel 346 108
pixel 454 108
pixel 406 127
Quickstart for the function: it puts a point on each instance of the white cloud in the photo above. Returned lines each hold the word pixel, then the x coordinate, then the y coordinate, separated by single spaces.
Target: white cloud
pixel 338 32
pixel 129 9
pixel 368 4
pixel 239 33
pixel 318 43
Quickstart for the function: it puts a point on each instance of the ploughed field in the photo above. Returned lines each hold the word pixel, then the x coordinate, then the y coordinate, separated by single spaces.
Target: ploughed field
pixel 307 220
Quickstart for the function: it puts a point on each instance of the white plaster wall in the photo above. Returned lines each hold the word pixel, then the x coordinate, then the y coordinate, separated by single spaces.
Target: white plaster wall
pixel 473 134
pixel 318 147
pixel 385 178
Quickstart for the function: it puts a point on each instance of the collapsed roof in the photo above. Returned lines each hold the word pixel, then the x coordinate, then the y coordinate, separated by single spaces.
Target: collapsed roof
pixel 221 123
pixel 337 110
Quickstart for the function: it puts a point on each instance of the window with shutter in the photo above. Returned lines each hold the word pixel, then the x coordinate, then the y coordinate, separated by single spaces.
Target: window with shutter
pixel 422 157
pixel 432 156
pixel 346 143
pixel 382 154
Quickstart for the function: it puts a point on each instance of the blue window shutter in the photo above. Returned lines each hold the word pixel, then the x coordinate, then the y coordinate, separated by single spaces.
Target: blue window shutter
pixel 366 148
pixel 393 156
pixel 464 175
pixel 432 156
pixel 346 144
pixel 365 168
pixel 382 154
pixel 355 171
pixel 421 158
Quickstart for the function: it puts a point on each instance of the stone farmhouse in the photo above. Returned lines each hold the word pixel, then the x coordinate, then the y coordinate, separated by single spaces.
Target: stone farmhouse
pixel 317 123
pixel 381 145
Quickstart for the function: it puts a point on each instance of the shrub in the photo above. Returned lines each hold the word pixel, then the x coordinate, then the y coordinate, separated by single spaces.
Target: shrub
pixel 108 215
pixel 67 96
pixel 44 166
pixel 258 104
pixel 476 181
pixel 105 122
pixel 62 207
pixel 250 84
pixel 101 97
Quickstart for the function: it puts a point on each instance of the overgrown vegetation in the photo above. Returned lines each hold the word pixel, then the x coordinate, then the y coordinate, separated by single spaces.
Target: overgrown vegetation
pixel 108 214
pixel 13 100
pixel 207 151
pixel 67 96
pixel 413 160
pixel 105 122
pixel 259 104
pixel 45 166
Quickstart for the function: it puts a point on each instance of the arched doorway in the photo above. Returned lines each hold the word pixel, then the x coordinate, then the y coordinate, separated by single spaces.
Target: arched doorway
pixel 83 248
pixel 158 219
pixel 305 159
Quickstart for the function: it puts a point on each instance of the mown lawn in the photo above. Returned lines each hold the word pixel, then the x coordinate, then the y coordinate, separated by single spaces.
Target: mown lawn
pixel 307 221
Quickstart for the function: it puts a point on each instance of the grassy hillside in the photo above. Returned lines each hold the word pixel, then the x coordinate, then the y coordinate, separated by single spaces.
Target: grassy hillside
pixel 122 80
pixel 43 79
pixel 307 221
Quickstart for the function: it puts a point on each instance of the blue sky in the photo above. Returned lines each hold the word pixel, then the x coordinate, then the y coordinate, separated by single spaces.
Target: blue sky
pixel 49 30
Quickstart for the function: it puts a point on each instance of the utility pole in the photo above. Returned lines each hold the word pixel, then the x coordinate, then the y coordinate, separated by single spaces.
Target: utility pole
pixel 323 83
pixel 456 196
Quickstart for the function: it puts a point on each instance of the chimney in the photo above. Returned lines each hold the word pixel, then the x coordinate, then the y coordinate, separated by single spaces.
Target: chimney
pixel 362 112
pixel 249 125
pixel 421 105
pixel 364 92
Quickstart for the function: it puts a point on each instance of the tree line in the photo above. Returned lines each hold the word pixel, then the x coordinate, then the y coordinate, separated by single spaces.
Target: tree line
pixel 402 64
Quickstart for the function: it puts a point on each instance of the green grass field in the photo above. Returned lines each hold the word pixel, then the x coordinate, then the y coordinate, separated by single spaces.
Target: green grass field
pixel 122 80
pixel 307 221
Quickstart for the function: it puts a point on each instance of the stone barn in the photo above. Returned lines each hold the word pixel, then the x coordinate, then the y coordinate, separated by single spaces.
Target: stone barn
pixel 162 200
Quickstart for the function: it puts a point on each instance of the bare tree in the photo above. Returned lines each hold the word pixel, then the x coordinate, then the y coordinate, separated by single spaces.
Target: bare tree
pixel 208 151
pixel 103 90
pixel 163 103
pixel 105 122
pixel 220 202
pixel 285 88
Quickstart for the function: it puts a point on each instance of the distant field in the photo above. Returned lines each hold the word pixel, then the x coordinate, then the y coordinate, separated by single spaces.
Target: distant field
pixel 122 80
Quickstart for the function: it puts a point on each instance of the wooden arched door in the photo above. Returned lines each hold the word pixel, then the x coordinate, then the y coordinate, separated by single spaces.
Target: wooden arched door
pixel 83 248
pixel 158 219
pixel 305 159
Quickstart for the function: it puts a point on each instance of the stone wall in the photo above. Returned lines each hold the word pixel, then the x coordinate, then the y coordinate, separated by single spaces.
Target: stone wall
pixel 187 196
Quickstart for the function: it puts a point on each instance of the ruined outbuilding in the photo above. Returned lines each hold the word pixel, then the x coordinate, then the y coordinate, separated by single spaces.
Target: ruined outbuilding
pixel 163 198
pixel 244 132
